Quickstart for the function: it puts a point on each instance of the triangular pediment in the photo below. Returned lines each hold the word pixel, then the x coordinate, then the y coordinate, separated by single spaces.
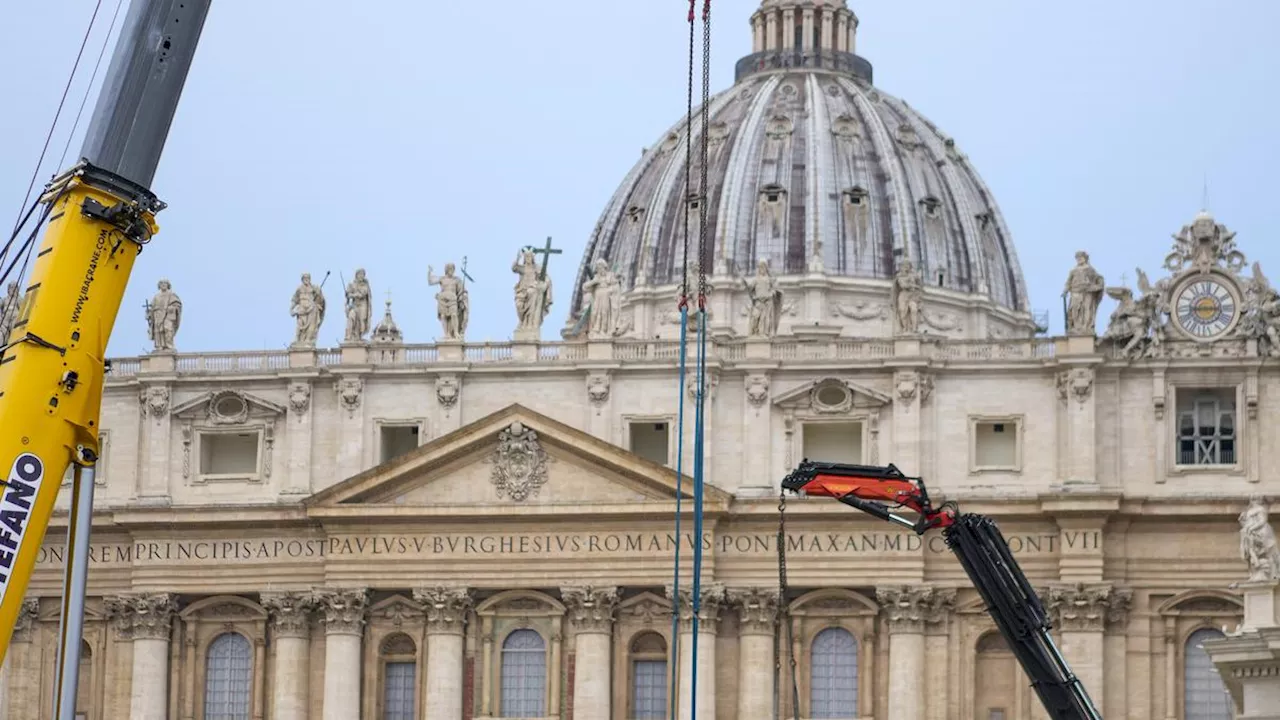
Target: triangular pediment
pixel 831 395
pixel 227 407
pixel 514 457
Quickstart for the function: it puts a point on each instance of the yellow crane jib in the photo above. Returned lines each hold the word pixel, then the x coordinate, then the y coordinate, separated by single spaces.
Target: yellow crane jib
pixel 51 372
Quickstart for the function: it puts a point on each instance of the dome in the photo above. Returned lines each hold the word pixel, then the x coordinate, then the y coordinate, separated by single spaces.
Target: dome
pixel 815 170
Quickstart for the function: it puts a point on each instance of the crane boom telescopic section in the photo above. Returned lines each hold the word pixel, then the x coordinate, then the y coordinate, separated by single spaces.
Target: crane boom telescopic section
pixel 986 558
pixel 100 213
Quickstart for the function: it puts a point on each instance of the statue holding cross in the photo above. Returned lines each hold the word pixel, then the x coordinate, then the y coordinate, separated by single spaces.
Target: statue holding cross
pixel 533 290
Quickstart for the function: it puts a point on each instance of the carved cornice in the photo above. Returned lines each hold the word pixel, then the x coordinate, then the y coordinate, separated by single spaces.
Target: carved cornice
pixel 290 613
pixel 446 607
pixel 1079 607
pixel 712 598
pixel 142 617
pixel 757 609
pixel 905 606
pixel 342 610
pixel 27 613
pixel 590 608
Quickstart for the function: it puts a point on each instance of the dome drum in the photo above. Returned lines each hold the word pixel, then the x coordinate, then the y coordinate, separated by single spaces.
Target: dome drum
pixel 771 60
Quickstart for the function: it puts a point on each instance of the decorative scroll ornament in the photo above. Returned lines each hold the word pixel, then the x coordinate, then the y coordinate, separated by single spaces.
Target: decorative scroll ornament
pixel 757 390
pixel 349 392
pixel 142 617
pixel 1076 382
pixel 905 606
pixel 300 397
pixel 590 608
pixel 446 607
pixel 598 389
pixel 757 608
pixel 713 597
pixel 155 401
pixel 228 407
pixel 1079 607
pixel 447 391
pixel 342 611
pixel 519 463
pixel 290 613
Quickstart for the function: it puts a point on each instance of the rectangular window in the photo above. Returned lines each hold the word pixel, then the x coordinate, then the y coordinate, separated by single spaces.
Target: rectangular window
pixel 1206 426
pixel 398 440
pixel 650 440
pixel 996 714
pixel 650 689
pixel 833 442
pixel 397 701
pixel 995 444
pixel 229 454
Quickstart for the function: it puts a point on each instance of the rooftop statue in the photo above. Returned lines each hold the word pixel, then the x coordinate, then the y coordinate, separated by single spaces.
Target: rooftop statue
pixel 307 308
pixel 532 293
pixel 766 302
pixel 1258 542
pixel 907 295
pixel 9 313
pixel 453 306
pixel 605 304
pixel 359 307
pixel 164 316
pixel 1138 325
pixel 1084 289
pixel 1262 312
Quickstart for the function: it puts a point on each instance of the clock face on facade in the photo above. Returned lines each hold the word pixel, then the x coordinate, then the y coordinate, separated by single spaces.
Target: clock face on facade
pixel 1205 308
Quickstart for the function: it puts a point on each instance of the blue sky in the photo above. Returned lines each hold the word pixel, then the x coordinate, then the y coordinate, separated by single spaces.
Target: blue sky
pixel 397 134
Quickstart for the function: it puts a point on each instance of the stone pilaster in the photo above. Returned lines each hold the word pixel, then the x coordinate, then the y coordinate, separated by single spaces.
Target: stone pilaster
pixel 1079 611
pixel 1114 701
pixel 153 486
pixel 13 697
pixel 299 434
pixel 291 633
pixel 148 621
pixel 711 600
pixel 1075 388
pixel 447 609
pixel 591 618
pixel 757 620
pixel 906 608
pixel 342 612
pixel 938 614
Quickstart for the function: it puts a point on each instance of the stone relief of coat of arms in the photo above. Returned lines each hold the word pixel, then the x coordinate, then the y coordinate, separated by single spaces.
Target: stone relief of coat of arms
pixel 519 463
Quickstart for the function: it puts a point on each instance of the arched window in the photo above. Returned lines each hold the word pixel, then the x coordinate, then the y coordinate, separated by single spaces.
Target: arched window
pixel 833 691
pixel 648 677
pixel 84 689
pixel 1204 695
pixel 399 676
pixel 524 675
pixel 228 679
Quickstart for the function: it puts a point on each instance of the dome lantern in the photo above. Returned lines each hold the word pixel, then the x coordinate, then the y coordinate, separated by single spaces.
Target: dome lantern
pixel 804 33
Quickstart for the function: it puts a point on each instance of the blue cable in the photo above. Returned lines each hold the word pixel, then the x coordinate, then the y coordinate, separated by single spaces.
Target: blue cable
pixel 675 583
pixel 698 452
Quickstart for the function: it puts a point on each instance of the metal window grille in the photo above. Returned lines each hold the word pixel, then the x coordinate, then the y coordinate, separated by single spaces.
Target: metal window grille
pixel 1204 695
pixel 228 679
pixel 397 694
pixel 834 666
pixel 1207 433
pixel 524 675
pixel 649 687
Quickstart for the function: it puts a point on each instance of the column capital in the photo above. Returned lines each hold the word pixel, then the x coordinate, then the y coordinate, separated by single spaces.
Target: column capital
pixel 590 608
pixel 905 606
pixel 290 613
pixel 27 614
pixel 446 608
pixel 939 609
pixel 712 598
pixel 146 616
pixel 757 609
pixel 1084 607
pixel 342 610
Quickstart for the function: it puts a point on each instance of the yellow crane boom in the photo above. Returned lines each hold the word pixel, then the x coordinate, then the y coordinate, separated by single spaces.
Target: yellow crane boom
pixel 100 214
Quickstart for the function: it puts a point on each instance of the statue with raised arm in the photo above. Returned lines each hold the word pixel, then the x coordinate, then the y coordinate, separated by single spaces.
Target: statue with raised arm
pixel 766 302
pixel 532 293
pixel 307 308
pixel 9 313
pixel 164 316
pixel 605 290
pixel 908 292
pixel 1258 542
pixel 451 302
pixel 359 307
pixel 1084 289
pixel 1262 312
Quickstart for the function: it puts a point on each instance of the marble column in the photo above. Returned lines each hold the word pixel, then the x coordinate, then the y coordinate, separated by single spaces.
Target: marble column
pixel 937 629
pixel 1079 612
pixel 447 609
pixel 148 620
pixel 342 612
pixel 591 619
pixel 757 613
pixel 1113 700
pixel 19 698
pixel 905 607
pixel 712 597
pixel 291 634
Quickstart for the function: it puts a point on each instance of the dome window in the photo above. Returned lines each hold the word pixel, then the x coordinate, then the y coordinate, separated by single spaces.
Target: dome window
pixel 932 207
pixel 634 213
pixel 772 193
pixel 856 196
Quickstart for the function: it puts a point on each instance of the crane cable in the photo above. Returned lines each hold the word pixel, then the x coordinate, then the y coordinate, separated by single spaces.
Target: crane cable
pixel 699 447
pixel 674 648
